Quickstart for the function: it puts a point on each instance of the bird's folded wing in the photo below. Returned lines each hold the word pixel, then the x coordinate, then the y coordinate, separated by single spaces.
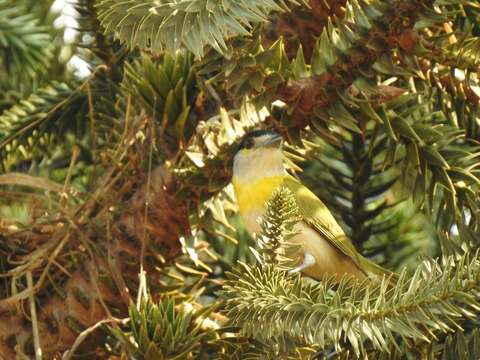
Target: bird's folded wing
pixel 316 214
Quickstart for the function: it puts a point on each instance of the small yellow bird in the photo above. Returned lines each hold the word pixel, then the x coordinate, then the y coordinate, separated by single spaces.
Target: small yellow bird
pixel 258 171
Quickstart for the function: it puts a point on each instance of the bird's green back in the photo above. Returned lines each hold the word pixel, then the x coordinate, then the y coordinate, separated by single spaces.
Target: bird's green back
pixel 316 214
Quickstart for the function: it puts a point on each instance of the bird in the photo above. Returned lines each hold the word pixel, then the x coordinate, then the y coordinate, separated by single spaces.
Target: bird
pixel 325 250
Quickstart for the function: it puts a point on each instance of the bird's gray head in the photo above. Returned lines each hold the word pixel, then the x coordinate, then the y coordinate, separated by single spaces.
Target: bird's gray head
pixel 258 155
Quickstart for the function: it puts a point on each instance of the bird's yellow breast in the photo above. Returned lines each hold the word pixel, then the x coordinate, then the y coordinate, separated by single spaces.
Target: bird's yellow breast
pixel 252 195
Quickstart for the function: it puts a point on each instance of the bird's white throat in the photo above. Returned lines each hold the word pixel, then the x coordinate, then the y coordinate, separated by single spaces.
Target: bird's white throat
pixel 254 165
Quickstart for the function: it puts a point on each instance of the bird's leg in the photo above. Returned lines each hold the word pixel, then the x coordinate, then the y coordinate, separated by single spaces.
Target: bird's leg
pixel 308 260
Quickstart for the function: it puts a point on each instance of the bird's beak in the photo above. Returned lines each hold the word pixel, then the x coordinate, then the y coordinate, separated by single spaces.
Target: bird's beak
pixel 274 141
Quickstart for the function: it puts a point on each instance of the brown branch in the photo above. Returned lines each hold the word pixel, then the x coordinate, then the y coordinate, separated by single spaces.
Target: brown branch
pixel 104 275
pixel 303 26
pixel 319 91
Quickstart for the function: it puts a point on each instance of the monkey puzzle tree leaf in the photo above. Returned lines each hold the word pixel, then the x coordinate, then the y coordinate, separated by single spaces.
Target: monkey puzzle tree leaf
pixel 277 224
pixel 342 116
pixel 25 45
pixel 167 90
pixel 160 331
pixel 299 67
pixel 323 54
pixel 192 24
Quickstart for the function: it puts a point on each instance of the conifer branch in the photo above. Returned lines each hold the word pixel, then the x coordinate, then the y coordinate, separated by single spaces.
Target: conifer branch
pixel 268 304
pixel 460 345
pixel 189 23
pixel 25 46
pixel 439 155
pixel 343 52
pixel 277 226
pixel 161 331
pixel 103 47
pixel 168 100
pixel 353 179
pixel 50 110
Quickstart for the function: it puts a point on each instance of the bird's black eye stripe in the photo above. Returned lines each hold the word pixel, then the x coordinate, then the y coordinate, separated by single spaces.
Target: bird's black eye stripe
pixel 247 144
pixel 248 141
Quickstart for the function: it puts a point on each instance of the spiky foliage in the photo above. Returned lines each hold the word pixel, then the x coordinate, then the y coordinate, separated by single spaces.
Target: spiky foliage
pixel 343 314
pixel 166 91
pixel 277 228
pixel 33 52
pixel 358 179
pixel 160 331
pixel 39 113
pixel 378 100
pixel 457 346
pixel 194 24
pixel 26 45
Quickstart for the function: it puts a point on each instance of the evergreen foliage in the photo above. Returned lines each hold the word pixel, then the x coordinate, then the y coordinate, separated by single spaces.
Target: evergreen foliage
pixel 191 24
pixel 277 227
pixel 127 171
pixel 269 305
pixel 26 47
pixel 162 332
pixel 166 91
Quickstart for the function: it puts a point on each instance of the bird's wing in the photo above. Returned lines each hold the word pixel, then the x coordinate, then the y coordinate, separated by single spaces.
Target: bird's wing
pixel 316 214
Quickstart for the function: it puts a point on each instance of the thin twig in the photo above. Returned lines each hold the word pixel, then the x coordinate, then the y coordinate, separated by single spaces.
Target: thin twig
pixel 83 335
pixel 142 288
pixel 66 184
pixel 33 314
pixel 24 294
pixel 92 131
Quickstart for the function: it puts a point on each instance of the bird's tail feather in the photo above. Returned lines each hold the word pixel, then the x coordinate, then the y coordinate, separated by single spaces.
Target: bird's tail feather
pixel 379 271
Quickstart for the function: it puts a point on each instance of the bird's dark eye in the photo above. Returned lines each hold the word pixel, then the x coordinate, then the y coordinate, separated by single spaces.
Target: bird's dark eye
pixel 248 144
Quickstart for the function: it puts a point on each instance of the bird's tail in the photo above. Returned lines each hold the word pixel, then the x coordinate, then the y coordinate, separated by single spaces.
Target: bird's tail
pixel 379 272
